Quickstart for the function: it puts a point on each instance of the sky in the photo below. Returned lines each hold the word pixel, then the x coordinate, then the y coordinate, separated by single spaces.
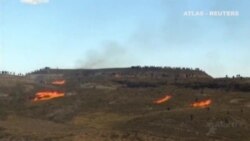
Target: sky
pixel 122 33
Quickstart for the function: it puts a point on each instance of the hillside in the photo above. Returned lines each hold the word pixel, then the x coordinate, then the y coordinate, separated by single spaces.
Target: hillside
pixel 135 72
pixel 124 104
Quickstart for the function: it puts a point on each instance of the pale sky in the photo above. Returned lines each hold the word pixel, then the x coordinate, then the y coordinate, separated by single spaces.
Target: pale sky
pixel 122 33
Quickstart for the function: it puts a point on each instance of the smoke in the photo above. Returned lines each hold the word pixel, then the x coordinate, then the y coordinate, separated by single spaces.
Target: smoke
pixel 173 38
pixel 111 54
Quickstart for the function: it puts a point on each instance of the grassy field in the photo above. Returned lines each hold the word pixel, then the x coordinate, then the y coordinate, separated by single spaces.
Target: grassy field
pixel 110 110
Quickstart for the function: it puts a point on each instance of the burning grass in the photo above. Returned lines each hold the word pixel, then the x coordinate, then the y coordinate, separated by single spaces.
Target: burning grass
pixel 202 103
pixel 162 100
pixel 47 95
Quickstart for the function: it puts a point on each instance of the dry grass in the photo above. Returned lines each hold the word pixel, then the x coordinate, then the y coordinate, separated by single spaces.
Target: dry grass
pixel 124 113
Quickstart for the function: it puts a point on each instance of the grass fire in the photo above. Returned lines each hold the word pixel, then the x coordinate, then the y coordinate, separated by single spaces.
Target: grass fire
pixel 143 104
pixel 202 103
pixel 163 100
pixel 47 95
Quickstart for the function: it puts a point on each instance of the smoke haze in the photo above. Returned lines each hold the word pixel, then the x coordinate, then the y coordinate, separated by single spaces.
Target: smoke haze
pixel 111 54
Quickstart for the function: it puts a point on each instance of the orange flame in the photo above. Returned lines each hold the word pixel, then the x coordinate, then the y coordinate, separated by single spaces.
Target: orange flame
pixel 162 100
pixel 47 95
pixel 59 82
pixel 202 104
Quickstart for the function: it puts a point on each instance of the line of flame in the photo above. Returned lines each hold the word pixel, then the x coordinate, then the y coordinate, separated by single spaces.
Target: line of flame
pixel 47 95
pixel 162 100
pixel 202 104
